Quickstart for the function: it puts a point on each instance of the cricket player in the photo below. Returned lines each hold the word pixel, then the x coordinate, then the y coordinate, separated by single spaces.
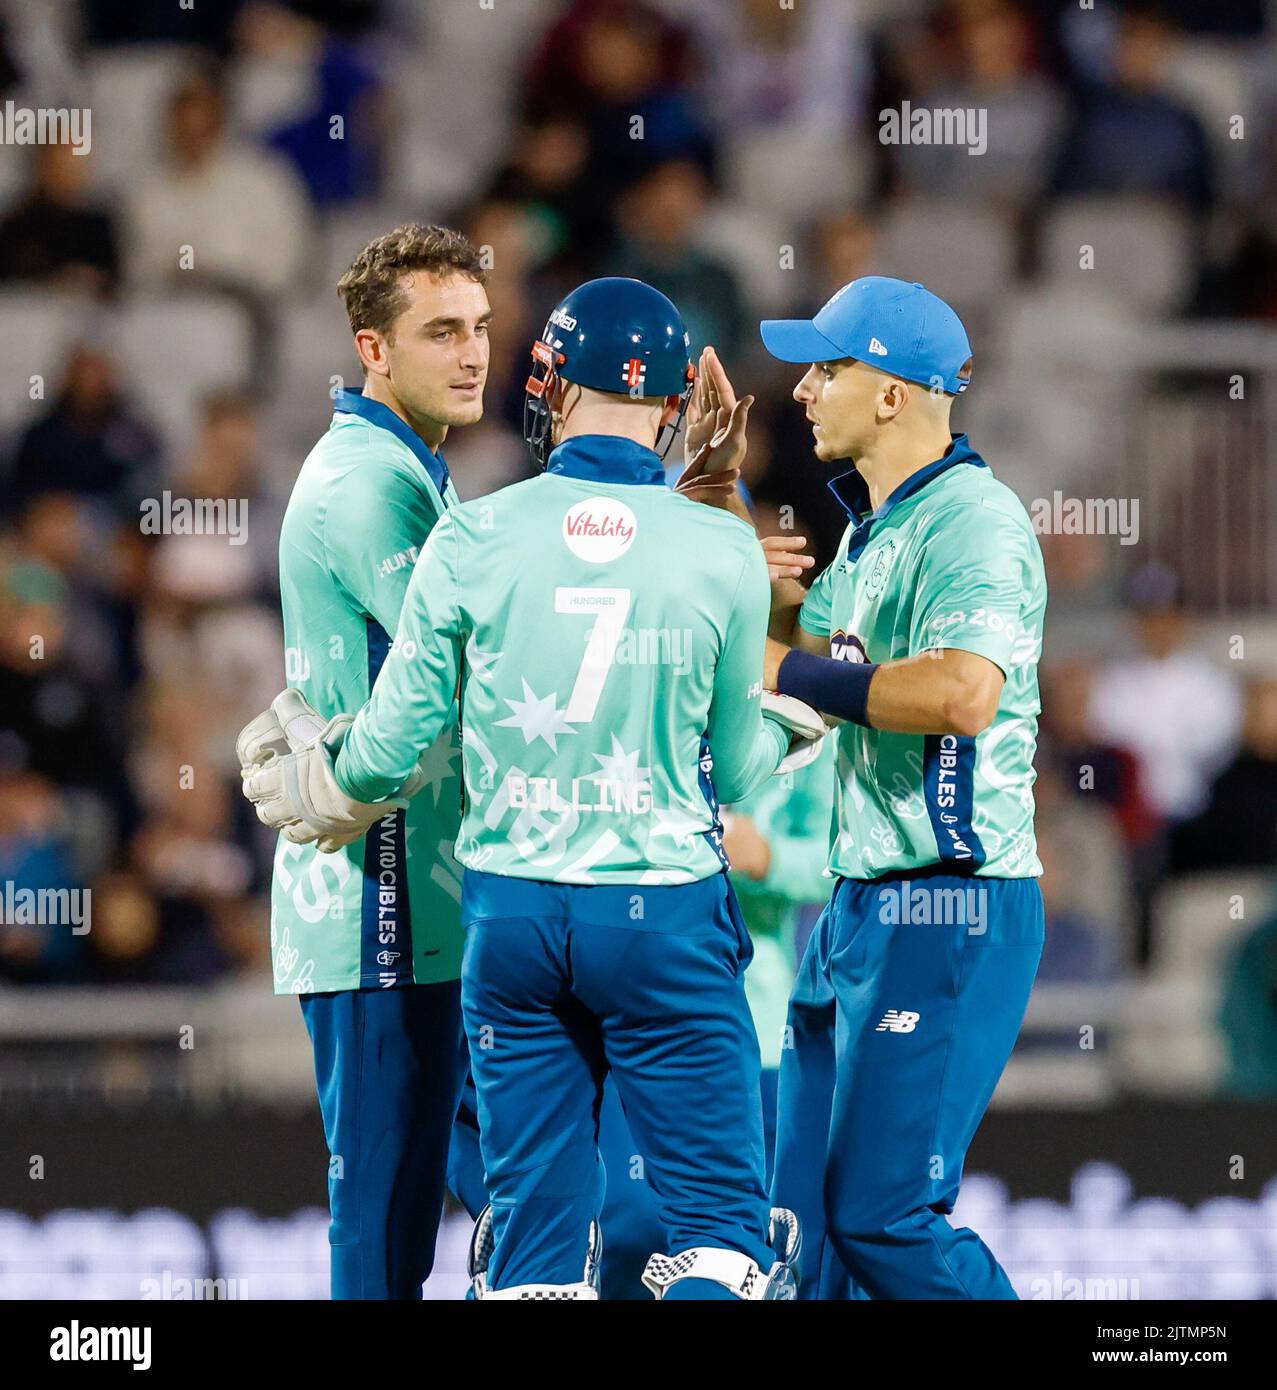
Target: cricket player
pixel 923 637
pixel 607 634
pixel 368 933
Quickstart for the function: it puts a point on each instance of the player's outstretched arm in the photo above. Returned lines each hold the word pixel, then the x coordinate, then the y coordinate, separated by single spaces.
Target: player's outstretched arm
pixel 746 747
pixel 414 693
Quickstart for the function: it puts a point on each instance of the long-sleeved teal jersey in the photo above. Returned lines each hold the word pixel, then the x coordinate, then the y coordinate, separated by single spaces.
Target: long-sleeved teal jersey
pixel 607 637
pixel 384 911
pixel 793 812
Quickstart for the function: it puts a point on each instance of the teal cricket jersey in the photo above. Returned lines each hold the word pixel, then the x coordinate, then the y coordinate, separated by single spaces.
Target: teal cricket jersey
pixel 792 812
pixel 384 911
pixel 608 637
pixel 950 559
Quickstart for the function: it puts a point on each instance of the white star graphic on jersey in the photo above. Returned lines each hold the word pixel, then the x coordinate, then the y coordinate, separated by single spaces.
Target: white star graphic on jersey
pixel 479 662
pixel 535 717
pixel 678 825
pixel 436 763
pixel 621 767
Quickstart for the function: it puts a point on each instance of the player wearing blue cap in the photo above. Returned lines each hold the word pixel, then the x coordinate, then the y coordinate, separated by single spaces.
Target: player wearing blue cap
pixel 922 637
pixel 607 698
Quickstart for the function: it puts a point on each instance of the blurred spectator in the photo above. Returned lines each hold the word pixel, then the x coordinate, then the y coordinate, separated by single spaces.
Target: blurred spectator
pixel 140 937
pixel 845 245
pixel 226 467
pixel 334 129
pixel 1238 826
pixel 1132 135
pixel 125 21
pixel 1086 611
pixel 994 72
pixel 1169 703
pixel 803 66
pixel 34 855
pixel 659 217
pixel 1248 1015
pixel 1085 765
pixel 1091 915
pixel 91 442
pixel 56 236
pixel 544 174
pixel 1079 948
pixel 243 214
pixel 621 68
pixel 53 719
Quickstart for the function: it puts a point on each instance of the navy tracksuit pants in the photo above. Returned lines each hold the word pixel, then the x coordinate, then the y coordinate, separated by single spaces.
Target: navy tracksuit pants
pixel 901 1024
pixel 564 985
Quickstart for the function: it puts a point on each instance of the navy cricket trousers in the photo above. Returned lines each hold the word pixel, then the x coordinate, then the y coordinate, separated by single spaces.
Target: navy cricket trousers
pixel 388 1067
pixel 563 985
pixel 901 1021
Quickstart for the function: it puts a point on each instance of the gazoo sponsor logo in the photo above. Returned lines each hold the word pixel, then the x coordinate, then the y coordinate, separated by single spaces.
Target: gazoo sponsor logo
pixel 599 529
pixel 946 794
pixel 76 1343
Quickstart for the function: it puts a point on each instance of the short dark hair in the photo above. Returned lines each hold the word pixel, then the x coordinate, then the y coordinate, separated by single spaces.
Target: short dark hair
pixel 372 288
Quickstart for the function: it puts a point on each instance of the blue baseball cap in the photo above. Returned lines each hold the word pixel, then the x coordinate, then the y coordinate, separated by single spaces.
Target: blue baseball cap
pixel 890 324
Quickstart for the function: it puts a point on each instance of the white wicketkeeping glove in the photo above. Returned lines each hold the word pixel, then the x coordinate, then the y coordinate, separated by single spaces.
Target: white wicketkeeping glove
pixel 286 761
pixel 288 726
pixel 805 726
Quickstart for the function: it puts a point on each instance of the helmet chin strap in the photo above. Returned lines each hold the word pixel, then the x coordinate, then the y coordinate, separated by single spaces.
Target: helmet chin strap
pixel 676 424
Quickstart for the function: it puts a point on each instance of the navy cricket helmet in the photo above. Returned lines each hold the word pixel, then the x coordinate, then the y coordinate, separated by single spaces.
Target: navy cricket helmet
pixel 615 335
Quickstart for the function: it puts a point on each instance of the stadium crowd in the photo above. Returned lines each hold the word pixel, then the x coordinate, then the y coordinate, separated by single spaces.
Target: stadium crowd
pixel 728 152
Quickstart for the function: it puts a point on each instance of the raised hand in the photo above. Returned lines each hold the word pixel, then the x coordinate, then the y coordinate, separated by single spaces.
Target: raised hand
pixel 714 441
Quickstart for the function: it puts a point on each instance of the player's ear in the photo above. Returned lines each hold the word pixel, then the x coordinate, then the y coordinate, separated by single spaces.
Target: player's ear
pixel 669 413
pixel 892 400
pixel 371 347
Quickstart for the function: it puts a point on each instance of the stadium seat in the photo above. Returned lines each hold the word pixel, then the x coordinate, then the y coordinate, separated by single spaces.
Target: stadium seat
pixel 1173 1044
pixel 128 89
pixel 36 330
pixel 764 173
pixel 1143 251
pixel 1194 927
pixel 174 349
pixel 314 346
pixel 962 251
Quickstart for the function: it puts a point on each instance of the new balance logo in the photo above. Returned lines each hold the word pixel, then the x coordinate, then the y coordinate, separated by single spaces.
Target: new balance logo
pixel 898 1021
pixel 877 348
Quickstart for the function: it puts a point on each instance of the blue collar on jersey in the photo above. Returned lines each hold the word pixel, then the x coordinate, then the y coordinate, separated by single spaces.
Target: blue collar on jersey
pixel 604 458
pixel 356 403
pixel 852 491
